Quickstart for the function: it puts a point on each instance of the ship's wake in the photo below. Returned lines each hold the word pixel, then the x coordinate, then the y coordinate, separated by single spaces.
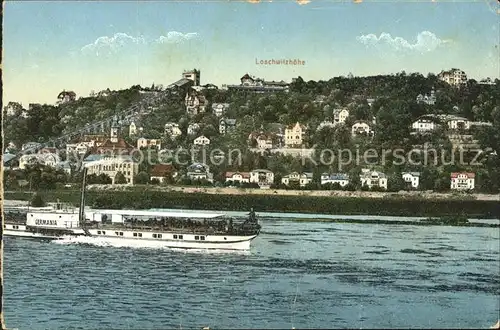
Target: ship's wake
pixel 137 244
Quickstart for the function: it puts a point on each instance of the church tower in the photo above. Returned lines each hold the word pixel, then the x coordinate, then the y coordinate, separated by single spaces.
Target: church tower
pixel 114 131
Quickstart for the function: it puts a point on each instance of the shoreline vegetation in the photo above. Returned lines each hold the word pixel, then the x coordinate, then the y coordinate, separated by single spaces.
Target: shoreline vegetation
pixel 458 221
pixel 357 203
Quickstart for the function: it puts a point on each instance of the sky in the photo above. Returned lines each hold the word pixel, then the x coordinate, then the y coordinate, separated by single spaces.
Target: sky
pixel 90 46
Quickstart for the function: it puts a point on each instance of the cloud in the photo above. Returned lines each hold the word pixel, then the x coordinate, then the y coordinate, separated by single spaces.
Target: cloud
pixel 107 45
pixel 426 42
pixel 174 37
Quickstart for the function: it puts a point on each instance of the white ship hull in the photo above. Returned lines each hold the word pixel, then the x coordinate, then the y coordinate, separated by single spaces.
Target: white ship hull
pixel 27 234
pixel 134 238
pixel 155 243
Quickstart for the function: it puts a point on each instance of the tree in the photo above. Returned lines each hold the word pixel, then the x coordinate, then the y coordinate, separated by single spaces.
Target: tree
pixel 142 178
pixel 37 200
pixel 120 178
pixel 396 182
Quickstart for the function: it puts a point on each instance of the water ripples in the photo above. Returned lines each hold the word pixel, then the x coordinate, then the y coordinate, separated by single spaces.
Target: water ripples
pixel 301 274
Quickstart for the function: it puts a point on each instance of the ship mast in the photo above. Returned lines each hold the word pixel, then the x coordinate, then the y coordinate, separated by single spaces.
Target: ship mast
pixel 81 216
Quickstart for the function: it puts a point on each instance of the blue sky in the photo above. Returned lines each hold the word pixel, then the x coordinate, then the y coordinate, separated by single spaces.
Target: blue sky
pixel 84 46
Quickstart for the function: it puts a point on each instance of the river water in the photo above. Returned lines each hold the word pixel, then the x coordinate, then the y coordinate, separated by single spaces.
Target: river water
pixel 297 274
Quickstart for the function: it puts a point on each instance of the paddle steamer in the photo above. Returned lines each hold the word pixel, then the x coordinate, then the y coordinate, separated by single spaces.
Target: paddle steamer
pixel 188 230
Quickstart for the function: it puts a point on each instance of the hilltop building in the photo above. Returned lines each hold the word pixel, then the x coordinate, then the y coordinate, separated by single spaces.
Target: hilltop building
pixel 258 85
pixel 193 75
pixel 454 77
pixel 66 96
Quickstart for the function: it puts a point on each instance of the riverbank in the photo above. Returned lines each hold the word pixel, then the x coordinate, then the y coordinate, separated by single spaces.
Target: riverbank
pixel 313 193
pixel 147 198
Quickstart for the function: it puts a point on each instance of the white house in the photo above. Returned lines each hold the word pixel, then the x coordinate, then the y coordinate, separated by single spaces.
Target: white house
pixel 302 179
pixel 458 123
pixel 427 99
pixel 195 103
pixel 132 129
pixel 487 81
pixel 361 128
pixel 462 181
pixel 78 148
pixel 201 140
pixel 31 145
pixel 146 143
pixel 112 165
pixel 373 179
pixel 294 135
pixel 173 130
pixel 226 124
pixel 193 128
pixel 340 116
pixel 47 159
pixel 199 171
pixel 341 178
pixel 411 178
pixel 264 178
pixel 423 125
pixel 264 141
pixel 241 177
pixel 219 109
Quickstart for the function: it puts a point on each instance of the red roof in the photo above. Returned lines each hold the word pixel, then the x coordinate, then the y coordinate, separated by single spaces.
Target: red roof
pixel 47 150
pixel 245 175
pixel 161 170
pixel 468 174
pixel 121 144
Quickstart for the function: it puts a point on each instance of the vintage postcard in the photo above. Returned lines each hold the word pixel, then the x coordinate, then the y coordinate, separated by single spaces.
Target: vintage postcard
pixel 250 164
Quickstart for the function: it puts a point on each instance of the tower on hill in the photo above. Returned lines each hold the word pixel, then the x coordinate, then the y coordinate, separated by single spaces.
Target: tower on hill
pixel 193 75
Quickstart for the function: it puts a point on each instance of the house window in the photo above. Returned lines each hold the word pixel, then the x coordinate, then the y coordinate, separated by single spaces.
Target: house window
pixel 121 233
pixel 116 233
pixel 159 235
pixel 103 232
pixel 98 232
pixel 135 234
pixel 202 238
pixel 154 235
pixel 139 234
pixel 175 236
pixel 197 238
pixel 180 236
